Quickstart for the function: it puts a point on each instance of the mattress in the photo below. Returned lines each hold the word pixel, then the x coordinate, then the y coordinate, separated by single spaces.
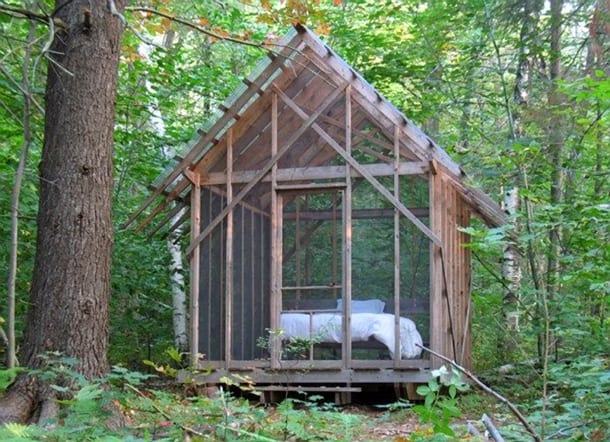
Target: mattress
pixel 327 327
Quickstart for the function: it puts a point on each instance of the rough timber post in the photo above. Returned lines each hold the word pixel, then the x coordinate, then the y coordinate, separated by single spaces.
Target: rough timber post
pixel 276 246
pixel 438 320
pixel 229 255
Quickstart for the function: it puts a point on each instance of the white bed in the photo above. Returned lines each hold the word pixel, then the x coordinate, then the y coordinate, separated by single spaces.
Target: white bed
pixel 326 327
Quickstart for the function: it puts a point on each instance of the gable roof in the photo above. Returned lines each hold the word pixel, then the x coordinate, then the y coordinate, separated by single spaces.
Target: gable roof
pixel 312 82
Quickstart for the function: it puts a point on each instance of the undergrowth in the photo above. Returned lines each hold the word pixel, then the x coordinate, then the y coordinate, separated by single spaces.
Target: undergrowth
pixel 127 406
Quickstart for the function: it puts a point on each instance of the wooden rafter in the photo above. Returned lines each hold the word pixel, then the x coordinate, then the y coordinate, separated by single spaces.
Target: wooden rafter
pixel 307 71
pixel 197 149
pixel 353 163
pixel 265 170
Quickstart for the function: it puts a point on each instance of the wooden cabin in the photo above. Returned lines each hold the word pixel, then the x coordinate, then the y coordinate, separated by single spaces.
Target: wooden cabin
pixel 325 242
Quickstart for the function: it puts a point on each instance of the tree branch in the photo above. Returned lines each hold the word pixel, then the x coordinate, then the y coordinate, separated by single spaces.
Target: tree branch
pixel 26 14
pixel 26 93
pixel 488 390
pixel 258 45
pixel 198 28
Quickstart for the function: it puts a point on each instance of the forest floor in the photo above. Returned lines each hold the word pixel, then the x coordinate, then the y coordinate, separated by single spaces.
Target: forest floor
pixel 380 425
pixel 396 421
pixel 371 424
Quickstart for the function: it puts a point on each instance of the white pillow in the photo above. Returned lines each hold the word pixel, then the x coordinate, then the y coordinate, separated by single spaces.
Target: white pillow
pixel 364 306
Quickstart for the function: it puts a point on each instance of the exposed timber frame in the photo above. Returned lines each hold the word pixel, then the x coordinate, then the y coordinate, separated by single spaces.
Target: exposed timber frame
pixel 306 165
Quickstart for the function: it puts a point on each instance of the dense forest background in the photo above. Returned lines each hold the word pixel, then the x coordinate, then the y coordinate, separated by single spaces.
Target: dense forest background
pixel 517 91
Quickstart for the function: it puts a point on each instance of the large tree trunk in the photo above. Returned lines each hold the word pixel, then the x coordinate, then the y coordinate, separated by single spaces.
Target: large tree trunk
pixel 69 299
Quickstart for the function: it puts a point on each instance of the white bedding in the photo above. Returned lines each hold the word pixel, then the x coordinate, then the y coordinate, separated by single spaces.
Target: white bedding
pixel 327 328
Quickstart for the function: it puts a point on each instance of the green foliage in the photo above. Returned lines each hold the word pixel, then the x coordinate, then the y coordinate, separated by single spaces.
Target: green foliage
pixel 440 405
pixel 8 376
pixel 123 407
pixel 293 348
pixel 175 362
pixel 451 67
pixel 576 406
pixel 20 433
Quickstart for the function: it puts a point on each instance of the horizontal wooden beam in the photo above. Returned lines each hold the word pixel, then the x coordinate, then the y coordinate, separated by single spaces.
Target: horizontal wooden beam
pixel 307 388
pixel 320 215
pixel 319 173
pixel 311 187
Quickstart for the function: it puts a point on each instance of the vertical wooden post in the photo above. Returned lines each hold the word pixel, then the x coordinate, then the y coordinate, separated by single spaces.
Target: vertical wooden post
pixel 437 324
pixel 466 284
pixel 335 243
pixel 276 246
pixel 297 246
pixel 194 263
pixel 347 238
pixel 397 343
pixel 451 291
pixel 229 255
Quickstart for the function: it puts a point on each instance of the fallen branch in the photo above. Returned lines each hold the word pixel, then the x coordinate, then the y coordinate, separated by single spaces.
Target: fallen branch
pixel 488 390
pixel 187 430
pixel 493 431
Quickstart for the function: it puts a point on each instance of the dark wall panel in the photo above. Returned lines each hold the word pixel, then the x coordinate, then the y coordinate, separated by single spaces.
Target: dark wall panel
pixel 251 285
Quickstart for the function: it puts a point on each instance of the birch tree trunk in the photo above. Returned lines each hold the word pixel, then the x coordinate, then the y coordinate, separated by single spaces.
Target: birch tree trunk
pixel 176 269
pixel 511 271
pixel 174 240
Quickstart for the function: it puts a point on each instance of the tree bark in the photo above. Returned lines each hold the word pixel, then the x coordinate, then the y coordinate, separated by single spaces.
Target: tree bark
pixel 69 298
pixel 179 304
pixel 511 271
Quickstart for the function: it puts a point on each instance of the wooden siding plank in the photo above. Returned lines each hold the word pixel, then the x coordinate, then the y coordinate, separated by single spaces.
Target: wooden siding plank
pixel 466 268
pixel 449 255
pixel 346 221
pixel 436 273
pixel 397 342
pixel 276 245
